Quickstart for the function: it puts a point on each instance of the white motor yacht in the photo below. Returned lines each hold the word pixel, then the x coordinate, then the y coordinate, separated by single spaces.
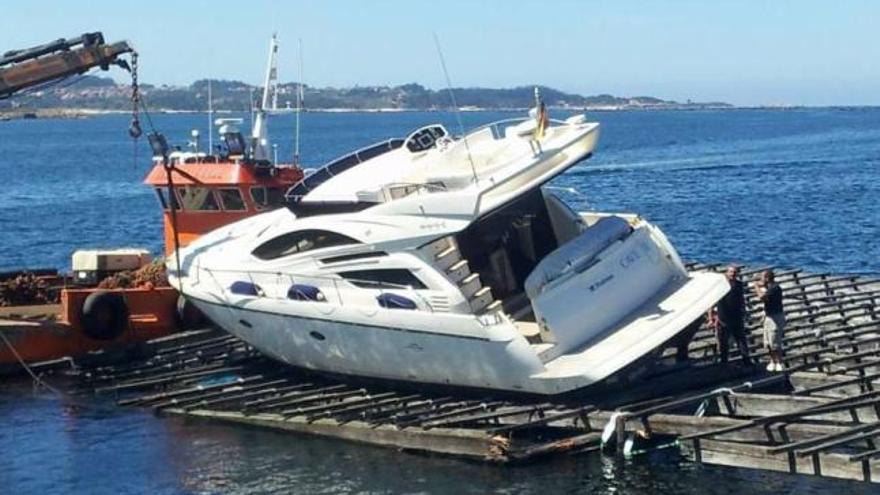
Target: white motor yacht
pixel 446 261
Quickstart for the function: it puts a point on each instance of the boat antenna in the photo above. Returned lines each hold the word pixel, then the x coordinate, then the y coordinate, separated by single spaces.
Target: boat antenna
pixel 210 120
pixel 299 104
pixel 455 106
pixel 259 132
pixel 251 90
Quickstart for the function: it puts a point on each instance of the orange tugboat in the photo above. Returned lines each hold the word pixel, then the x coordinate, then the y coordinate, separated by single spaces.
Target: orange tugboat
pixel 116 298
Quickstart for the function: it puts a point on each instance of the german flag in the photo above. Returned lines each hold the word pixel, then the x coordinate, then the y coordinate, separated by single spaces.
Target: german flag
pixel 543 121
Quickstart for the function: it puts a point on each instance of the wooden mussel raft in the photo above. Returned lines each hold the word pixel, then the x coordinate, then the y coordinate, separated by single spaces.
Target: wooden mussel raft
pixel 821 416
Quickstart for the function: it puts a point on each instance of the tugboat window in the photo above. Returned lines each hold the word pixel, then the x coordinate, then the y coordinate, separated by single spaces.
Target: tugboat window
pixel 160 193
pixel 300 242
pixel 385 278
pixel 231 199
pixel 267 197
pixel 197 198
pixel 274 196
pixel 258 194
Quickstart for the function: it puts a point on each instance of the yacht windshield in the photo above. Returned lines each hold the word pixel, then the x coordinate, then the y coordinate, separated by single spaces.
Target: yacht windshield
pixel 339 166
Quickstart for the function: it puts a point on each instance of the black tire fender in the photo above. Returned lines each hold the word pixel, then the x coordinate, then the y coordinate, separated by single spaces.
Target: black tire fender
pixel 104 315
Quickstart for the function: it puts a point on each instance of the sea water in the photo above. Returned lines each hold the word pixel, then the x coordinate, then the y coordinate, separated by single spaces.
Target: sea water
pixel 793 188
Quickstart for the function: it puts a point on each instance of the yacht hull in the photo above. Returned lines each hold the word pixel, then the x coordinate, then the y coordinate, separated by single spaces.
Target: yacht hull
pixel 381 352
pixel 444 359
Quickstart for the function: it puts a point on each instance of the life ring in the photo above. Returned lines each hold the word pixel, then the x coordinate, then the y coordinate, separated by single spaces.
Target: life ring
pixel 104 315
pixel 188 315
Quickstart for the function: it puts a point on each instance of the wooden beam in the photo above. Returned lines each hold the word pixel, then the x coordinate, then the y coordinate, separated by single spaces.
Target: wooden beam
pixel 757 457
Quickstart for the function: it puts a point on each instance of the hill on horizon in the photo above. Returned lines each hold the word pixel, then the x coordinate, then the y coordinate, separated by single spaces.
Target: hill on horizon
pixel 102 93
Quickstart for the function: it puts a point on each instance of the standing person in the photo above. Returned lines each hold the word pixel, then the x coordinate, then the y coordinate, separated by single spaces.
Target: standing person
pixel 728 318
pixel 770 294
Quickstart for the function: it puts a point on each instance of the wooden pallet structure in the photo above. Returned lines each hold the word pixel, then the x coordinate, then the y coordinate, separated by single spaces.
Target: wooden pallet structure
pixel 820 417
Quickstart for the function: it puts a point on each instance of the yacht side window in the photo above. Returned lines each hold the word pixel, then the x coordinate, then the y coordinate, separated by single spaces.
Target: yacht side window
pixel 197 198
pixel 385 278
pixel 300 242
pixel 231 199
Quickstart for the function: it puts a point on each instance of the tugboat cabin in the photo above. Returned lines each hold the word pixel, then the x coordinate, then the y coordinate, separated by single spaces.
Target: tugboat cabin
pixel 212 190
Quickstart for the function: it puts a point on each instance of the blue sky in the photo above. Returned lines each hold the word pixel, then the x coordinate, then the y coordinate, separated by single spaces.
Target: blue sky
pixel 744 52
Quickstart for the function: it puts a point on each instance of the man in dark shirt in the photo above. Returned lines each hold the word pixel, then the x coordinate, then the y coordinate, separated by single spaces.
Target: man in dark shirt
pixel 770 294
pixel 729 318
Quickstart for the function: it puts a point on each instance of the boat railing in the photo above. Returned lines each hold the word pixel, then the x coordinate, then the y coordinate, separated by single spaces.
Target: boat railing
pixel 497 185
pixel 339 165
pixel 315 289
pixel 499 126
pixel 496 131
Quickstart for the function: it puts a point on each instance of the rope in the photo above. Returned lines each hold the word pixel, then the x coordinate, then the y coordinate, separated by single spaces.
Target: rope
pixel 37 380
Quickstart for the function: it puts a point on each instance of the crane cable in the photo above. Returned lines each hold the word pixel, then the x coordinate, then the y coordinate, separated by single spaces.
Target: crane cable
pixel 134 130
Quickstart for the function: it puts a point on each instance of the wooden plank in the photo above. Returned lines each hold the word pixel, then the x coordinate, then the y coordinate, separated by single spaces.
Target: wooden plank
pixel 678 425
pixel 831 386
pixel 771 404
pixel 743 455
pixel 472 444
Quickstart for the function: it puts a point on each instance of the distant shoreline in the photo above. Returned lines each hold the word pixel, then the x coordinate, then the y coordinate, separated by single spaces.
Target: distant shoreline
pixel 81 113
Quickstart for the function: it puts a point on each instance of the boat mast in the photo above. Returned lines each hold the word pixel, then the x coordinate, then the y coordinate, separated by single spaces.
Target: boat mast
pixel 455 107
pixel 259 131
pixel 210 120
pixel 299 103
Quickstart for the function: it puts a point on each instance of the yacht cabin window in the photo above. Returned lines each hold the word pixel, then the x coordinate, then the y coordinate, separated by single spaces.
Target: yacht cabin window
pixel 300 242
pixel 384 278
pixel 231 199
pixel 196 198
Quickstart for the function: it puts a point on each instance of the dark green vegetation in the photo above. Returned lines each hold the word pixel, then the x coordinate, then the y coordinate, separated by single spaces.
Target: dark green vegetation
pixel 98 93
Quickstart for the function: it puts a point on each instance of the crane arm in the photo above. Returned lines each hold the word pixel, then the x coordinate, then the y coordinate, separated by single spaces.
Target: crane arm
pixel 23 69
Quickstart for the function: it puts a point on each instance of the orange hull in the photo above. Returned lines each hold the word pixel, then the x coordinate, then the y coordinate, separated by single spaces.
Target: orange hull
pixel 152 314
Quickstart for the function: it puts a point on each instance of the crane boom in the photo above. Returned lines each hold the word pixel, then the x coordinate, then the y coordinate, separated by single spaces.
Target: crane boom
pixel 23 69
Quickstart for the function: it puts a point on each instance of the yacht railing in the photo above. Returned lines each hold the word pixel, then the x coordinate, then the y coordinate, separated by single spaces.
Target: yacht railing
pixel 499 126
pixel 335 290
pixel 498 184
pixel 339 165
pixel 496 132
